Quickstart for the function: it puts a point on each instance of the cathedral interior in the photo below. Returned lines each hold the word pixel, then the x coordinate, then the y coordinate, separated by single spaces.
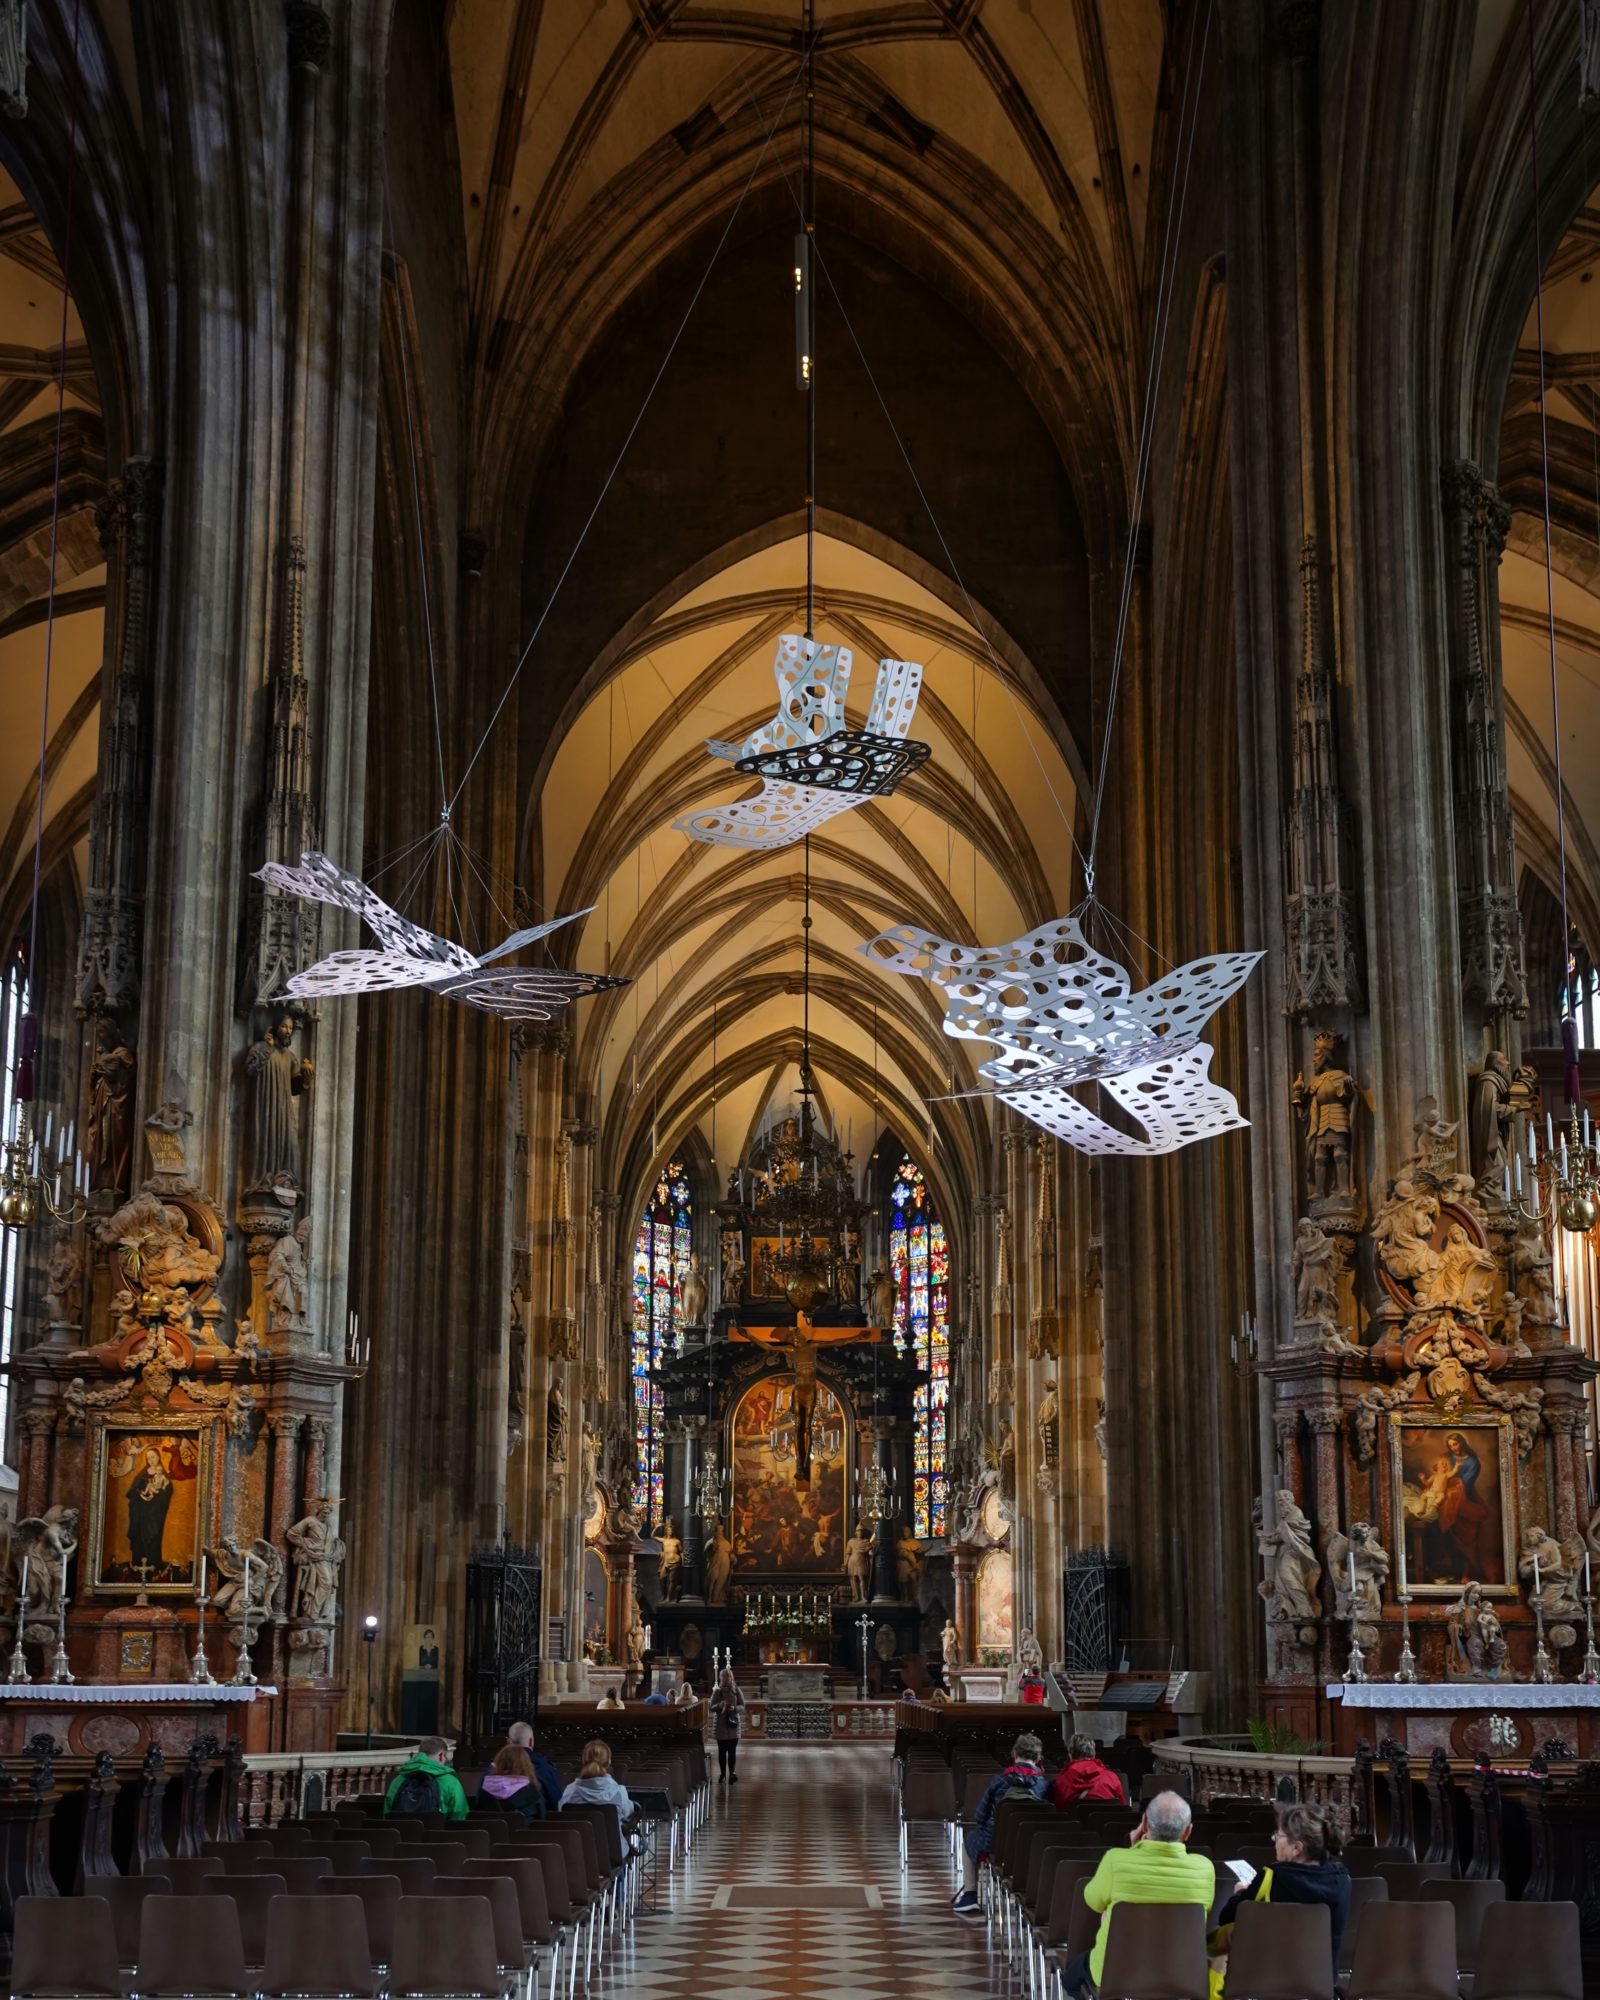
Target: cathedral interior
pixel 1074 1157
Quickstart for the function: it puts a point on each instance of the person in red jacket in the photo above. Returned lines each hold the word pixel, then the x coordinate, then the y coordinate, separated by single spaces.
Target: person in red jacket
pixel 1084 1776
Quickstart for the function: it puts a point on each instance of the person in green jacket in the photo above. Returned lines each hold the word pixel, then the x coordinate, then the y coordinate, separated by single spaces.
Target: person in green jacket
pixel 1153 1868
pixel 408 1783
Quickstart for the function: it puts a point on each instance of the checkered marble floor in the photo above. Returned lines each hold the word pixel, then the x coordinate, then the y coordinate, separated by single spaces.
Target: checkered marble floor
pixel 807 1818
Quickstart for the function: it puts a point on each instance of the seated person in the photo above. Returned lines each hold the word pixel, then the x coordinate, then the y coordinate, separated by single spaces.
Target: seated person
pixel 1084 1776
pixel 1152 1868
pixel 520 1737
pixel 595 1786
pixel 685 1696
pixel 425 1783
pixel 1023 1777
pixel 512 1784
pixel 1307 1870
pixel 611 1699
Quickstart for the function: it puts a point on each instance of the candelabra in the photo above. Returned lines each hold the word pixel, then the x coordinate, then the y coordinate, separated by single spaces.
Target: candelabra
pixel 1563 1178
pixel 23 1189
pixel 1406 1672
pixel 875 1495
pixel 1591 1659
pixel 60 1671
pixel 712 1484
pixel 200 1673
pixel 1543 1670
pixel 244 1674
pixel 19 1674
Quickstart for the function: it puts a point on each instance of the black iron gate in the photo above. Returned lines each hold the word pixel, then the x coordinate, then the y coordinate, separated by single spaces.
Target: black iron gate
pixel 1094 1587
pixel 504 1607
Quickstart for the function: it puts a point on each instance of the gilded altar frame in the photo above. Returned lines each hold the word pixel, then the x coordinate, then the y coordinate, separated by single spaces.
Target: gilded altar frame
pixel 1476 1424
pixel 169 1435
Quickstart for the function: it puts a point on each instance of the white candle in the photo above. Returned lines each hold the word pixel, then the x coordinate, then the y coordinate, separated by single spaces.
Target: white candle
pixel 247 1589
pixel 22 1592
pixel 202 1576
pixel 1587 1591
pixel 1352 1580
pixel 1536 1576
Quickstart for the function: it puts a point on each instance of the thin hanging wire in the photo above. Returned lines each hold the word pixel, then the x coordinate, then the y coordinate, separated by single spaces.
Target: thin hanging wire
pixel 1166 290
pixel 55 537
pixel 1544 467
pixel 623 449
pixel 422 564
pixel 808 224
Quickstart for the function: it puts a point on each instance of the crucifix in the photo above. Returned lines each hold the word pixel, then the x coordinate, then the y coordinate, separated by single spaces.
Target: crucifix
pixel 143 1567
pixel 864 1627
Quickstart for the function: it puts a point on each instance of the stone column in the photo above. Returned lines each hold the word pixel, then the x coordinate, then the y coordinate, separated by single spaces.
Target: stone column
pixel 316 1471
pixel 964 1569
pixel 285 1428
pixel 886 1587
pixel 38 1427
pixel 694 1431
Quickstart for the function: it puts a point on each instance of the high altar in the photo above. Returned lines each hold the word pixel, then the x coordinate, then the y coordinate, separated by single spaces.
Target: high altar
pixel 789 1415
pixel 168 1466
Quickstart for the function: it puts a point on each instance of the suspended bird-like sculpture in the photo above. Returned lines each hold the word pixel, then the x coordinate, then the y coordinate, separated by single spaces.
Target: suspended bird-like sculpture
pixel 412 956
pixel 1062 1013
pixel 812 766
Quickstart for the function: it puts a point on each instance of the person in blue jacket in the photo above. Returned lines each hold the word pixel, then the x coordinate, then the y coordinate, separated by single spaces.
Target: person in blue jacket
pixel 520 1736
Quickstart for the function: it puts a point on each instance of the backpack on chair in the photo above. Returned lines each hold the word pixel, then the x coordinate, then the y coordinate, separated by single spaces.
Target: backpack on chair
pixel 418 1794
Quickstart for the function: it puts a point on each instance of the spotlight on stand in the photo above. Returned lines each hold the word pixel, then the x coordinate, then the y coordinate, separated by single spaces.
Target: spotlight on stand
pixel 369 1632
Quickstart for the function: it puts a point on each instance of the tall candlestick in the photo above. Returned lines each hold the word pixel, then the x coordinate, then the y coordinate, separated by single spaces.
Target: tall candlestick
pixel 1352 1583
pixel 1536 1576
pixel 202 1576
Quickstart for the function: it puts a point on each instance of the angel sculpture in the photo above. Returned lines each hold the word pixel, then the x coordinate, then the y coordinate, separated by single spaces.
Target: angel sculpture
pixel 232 1599
pixel 47 1542
pixel 1061 1013
pixel 811 764
pixel 411 956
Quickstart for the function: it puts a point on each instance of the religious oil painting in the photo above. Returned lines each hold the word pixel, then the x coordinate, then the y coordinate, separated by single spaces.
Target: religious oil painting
pixel 765 1252
pixel 994 1599
pixel 1453 1486
pixel 780 1529
pixel 150 1490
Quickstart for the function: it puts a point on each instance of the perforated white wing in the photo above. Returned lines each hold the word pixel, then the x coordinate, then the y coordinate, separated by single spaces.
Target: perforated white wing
pixel 813 681
pixel 320 880
pixel 531 993
pixel 1174 1100
pixel 776 816
pixel 367 972
pixel 894 698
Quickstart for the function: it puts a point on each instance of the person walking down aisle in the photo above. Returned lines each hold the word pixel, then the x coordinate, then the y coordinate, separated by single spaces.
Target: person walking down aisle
pixel 725 1706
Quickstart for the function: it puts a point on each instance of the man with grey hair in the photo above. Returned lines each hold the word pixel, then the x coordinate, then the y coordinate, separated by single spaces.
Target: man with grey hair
pixel 1155 1867
pixel 520 1737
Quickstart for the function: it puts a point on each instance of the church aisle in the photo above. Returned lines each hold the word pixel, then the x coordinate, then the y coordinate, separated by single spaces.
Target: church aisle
pixel 817 1825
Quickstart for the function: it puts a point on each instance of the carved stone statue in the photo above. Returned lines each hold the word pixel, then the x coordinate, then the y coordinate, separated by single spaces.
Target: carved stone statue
pixel 288 1280
pixel 847 1280
pixel 671 1563
pixel 317 1553
pixel 1461 1275
pixel 1358 1565
pixel 279 1077
pixel 1489 1115
pixel 1548 1578
pixel 108 1142
pixel 1318 1258
pixel 636 1639
pixel 1002 1384
pixel 1005 1459
pixel 63 1288
pixel 907 1565
pixel 1293 1571
pixel 694 1295
pixel 1477 1644
pixel 1326 1102
pixel 1402 1231
pixel 1048 1425
pixel 719 1565
pixel 733 1269
pixel 555 1437
pixel 516 1373
pixel 266 1580
pixel 858 1554
pixel 48 1542
pixel 880 1299
pixel 1030 1654
pixel 1536 1283
pixel 950 1647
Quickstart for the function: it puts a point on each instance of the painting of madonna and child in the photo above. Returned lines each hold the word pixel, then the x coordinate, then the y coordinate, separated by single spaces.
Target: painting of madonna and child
pixel 148 1508
pixel 1452 1482
pixel 779 1530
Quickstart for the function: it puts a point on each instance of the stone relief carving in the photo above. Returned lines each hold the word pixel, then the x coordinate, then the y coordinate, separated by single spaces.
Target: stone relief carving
pixel 288 1279
pixel 231 1600
pixel 1358 1567
pixel 1548 1574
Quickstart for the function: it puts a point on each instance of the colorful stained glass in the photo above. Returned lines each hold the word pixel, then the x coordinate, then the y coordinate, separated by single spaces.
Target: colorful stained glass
pixel 660 1258
pixel 919 1263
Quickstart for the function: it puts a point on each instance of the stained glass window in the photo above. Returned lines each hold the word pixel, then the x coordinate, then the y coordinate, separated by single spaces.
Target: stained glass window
pixel 660 1259
pixel 919 1263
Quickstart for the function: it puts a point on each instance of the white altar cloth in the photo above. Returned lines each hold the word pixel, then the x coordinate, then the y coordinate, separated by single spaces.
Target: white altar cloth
pixel 1464 1694
pixel 127 1691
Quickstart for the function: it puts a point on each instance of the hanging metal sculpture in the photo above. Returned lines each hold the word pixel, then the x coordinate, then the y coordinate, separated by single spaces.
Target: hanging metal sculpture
pixel 1062 1013
pixel 412 956
pixel 812 766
